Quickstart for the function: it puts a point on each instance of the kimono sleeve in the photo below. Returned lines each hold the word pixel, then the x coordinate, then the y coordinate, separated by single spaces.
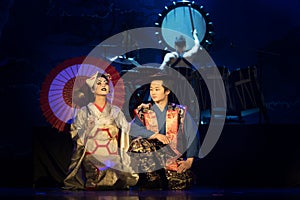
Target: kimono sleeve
pixel 78 126
pixel 123 125
pixel 192 136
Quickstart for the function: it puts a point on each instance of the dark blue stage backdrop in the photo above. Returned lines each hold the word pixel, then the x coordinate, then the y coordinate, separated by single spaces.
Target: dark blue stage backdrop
pixel 38 35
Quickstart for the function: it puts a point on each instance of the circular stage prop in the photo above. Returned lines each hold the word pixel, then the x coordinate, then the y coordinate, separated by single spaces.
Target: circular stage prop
pixel 181 18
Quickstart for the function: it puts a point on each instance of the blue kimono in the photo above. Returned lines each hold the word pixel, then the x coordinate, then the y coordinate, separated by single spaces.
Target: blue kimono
pixel 187 142
pixel 190 130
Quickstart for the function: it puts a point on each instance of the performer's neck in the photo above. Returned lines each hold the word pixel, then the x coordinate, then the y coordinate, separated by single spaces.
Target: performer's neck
pixel 180 51
pixel 100 100
pixel 161 104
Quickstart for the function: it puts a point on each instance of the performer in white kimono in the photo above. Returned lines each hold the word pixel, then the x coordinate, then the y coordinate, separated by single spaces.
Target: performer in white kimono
pixel 101 134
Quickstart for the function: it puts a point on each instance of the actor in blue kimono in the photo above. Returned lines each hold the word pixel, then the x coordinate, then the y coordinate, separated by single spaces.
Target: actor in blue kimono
pixel 169 132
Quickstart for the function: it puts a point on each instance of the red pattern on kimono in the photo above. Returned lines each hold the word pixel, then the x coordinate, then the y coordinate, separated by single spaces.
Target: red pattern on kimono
pixel 174 116
pixel 108 146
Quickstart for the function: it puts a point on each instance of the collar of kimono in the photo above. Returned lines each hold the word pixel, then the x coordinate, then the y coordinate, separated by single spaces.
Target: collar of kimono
pixel 99 107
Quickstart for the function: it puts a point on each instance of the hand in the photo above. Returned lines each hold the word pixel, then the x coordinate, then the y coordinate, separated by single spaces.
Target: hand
pixel 167 58
pixel 144 106
pixel 195 33
pixel 162 138
pixel 184 165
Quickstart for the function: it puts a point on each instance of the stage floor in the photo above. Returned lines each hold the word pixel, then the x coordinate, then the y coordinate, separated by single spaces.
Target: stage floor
pixel 194 193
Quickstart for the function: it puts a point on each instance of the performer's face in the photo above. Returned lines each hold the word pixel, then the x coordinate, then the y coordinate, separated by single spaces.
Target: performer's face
pixel 180 48
pixel 158 92
pixel 101 86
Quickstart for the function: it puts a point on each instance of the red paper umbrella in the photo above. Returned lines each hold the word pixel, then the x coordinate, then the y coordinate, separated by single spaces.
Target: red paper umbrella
pixel 64 90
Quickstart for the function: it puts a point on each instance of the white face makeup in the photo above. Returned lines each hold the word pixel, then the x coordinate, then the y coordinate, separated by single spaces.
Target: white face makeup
pixel 101 86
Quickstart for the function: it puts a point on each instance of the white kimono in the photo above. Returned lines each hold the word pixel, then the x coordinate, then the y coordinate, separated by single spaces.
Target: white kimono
pixel 102 138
